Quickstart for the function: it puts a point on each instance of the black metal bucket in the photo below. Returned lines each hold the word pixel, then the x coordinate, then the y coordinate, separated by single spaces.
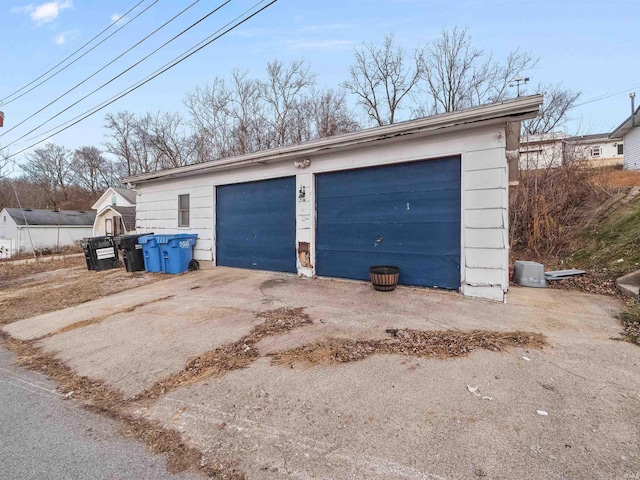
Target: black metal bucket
pixel 384 277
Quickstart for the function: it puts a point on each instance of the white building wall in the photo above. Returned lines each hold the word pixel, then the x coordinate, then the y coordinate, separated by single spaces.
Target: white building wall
pixel 632 149
pixel 50 236
pixel 484 234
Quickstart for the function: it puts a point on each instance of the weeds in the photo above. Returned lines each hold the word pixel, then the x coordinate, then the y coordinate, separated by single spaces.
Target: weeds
pixel 630 319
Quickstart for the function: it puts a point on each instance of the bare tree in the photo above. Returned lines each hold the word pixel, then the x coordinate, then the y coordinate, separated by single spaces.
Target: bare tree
pixel 93 171
pixel 282 94
pixel 382 78
pixel 121 130
pixel 330 114
pixel 6 164
pixel 50 168
pixel 459 75
pixel 558 100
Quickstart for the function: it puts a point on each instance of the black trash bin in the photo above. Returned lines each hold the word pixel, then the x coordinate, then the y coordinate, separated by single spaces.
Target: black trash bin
pixel 88 257
pixel 131 251
pixel 104 253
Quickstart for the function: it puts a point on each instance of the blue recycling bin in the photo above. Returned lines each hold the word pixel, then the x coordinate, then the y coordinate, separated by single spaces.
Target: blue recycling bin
pixel 151 253
pixel 176 251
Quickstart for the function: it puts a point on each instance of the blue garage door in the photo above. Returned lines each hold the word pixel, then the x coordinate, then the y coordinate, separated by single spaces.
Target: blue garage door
pixel 255 225
pixel 406 215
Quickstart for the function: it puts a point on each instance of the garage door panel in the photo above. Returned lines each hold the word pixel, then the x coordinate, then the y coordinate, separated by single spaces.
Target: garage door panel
pixel 413 177
pixel 396 238
pixel 255 225
pixel 406 215
pixel 400 207
pixel 427 271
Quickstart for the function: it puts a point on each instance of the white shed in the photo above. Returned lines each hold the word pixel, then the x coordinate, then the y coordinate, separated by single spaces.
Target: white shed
pixel 629 130
pixel 427 195
pixel 26 230
pixel 116 212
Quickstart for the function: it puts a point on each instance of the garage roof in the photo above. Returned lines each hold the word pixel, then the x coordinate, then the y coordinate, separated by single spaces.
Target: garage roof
pixel 514 110
pixel 51 217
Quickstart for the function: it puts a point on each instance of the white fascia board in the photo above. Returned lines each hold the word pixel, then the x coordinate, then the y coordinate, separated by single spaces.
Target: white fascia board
pixel 512 110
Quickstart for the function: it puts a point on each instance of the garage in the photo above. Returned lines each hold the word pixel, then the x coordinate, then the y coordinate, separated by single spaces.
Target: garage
pixel 256 225
pixel 406 215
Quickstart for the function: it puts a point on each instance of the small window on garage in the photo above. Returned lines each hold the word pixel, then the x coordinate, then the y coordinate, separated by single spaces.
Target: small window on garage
pixel 595 151
pixel 620 149
pixel 183 210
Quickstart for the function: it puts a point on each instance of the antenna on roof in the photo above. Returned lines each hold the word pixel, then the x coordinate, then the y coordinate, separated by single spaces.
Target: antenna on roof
pixel 632 96
pixel 518 80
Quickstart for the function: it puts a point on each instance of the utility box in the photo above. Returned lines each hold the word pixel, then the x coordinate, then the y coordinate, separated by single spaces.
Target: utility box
pixel 529 274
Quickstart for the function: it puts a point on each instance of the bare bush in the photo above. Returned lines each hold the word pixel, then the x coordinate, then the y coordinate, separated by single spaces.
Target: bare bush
pixel 548 205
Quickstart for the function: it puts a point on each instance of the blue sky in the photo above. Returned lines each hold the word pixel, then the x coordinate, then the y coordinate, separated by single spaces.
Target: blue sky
pixel 589 46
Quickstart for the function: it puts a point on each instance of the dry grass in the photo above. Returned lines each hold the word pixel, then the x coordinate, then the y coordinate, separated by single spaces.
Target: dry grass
pixel 630 319
pixel 27 290
pixel 617 178
pixel 99 398
pixel 550 207
pixel 426 344
pixel 96 320
pixel 231 356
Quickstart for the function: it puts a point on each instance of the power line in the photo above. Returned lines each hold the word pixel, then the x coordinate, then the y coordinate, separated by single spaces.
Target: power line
pixel 101 69
pixel 607 95
pixel 85 53
pixel 179 59
pixel 121 73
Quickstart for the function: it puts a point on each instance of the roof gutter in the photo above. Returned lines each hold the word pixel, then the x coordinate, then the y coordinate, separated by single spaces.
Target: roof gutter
pixel 507 111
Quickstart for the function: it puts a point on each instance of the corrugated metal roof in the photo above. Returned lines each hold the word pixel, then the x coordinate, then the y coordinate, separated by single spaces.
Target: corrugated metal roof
pixel 52 217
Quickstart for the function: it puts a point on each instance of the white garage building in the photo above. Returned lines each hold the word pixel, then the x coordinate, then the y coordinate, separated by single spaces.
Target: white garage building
pixel 428 195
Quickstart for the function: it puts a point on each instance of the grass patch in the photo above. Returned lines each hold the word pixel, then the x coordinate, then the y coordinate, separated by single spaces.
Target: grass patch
pixel 630 319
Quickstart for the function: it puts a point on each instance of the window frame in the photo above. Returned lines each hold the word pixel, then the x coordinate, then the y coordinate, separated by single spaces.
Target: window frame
pixel 184 211
pixel 596 151
pixel 620 149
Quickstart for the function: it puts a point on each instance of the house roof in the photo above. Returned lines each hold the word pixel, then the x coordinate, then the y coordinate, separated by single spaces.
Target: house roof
pixel 593 137
pixel 51 217
pixel 514 110
pixel 625 126
pixel 126 193
pixel 128 215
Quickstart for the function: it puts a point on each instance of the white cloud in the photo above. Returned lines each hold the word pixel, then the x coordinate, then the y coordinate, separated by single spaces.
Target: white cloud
pixel 45 12
pixel 60 39
pixel 115 17
pixel 63 37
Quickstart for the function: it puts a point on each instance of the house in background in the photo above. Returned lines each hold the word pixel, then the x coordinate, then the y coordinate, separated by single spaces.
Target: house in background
pixel 116 212
pixel 26 230
pixel 629 131
pixel 429 195
pixel 557 148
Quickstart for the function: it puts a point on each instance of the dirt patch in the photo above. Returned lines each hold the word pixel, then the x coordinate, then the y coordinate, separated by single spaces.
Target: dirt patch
pixel 97 397
pixel 35 288
pixel 433 344
pixel 231 356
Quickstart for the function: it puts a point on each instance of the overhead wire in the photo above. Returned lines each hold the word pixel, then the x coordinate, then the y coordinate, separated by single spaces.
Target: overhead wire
pixel 120 74
pixel 74 52
pixel 100 69
pixel 81 56
pixel 193 50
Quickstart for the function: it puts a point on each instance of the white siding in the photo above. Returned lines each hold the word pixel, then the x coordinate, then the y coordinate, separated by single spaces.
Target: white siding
pixel 51 236
pixel 632 149
pixel 484 234
pixel 9 233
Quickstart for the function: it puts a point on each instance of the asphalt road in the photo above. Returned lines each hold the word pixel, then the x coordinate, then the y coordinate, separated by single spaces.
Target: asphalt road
pixel 44 436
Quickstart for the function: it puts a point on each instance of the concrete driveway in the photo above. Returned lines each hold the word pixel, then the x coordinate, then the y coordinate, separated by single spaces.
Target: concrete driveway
pixel 389 416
